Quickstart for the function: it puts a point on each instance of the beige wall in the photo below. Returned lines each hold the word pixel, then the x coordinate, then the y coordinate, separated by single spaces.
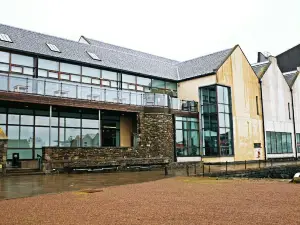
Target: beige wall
pixel 188 90
pixel 237 73
pixel 125 131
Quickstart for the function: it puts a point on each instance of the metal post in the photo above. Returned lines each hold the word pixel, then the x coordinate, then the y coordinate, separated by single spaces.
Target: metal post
pixel 100 134
pixel 105 95
pixel 203 169
pixel 50 119
pixel 166 171
pixel 259 163
pixel 245 164
pixel 91 93
pixel 187 170
pixel 226 167
pixel 60 89
pixel 208 167
pixel 195 169
pixel 129 98
pixel 44 88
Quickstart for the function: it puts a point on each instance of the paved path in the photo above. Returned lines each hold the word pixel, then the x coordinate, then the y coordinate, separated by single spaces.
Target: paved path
pixel 31 185
pixel 176 200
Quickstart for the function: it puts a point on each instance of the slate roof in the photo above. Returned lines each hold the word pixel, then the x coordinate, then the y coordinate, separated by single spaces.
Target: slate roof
pixel 290 77
pixel 260 68
pixel 113 57
pixel 202 65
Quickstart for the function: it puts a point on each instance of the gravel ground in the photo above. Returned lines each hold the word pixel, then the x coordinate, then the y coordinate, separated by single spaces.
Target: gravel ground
pixel 169 201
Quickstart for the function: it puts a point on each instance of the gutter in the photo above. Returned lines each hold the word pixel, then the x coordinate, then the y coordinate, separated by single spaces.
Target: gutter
pixel 294 125
pixel 263 119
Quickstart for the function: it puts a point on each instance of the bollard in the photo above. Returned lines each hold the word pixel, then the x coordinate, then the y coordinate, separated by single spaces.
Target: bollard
pixel 166 171
pixel 271 162
pixel 203 170
pixel 245 165
pixel 259 163
pixel 187 170
pixel 226 167
pixel 195 169
pixel 4 169
pixel 208 167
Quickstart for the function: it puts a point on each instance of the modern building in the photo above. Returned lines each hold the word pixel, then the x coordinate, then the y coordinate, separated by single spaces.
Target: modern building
pixel 277 110
pixel 89 96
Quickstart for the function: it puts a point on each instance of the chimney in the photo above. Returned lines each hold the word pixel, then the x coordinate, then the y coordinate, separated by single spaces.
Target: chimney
pixel 261 57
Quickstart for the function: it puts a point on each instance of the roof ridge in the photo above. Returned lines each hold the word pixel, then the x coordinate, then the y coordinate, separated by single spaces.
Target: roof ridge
pixel 290 72
pixel 110 49
pixel 260 63
pixel 31 31
pixel 175 61
pixel 204 56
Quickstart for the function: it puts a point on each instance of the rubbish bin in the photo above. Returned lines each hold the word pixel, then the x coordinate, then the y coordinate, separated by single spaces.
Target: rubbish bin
pixel 15 160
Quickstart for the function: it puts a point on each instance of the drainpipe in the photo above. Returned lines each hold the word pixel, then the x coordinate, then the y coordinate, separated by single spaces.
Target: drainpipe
pixel 263 119
pixel 294 125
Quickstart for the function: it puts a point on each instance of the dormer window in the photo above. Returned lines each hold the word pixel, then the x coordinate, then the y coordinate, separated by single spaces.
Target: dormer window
pixel 53 47
pixel 93 56
pixel 5 37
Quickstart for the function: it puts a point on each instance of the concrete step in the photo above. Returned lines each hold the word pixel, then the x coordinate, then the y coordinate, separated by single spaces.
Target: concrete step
pixel 22 171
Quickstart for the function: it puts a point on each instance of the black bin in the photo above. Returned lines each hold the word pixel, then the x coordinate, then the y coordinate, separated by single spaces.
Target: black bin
pixel 15 160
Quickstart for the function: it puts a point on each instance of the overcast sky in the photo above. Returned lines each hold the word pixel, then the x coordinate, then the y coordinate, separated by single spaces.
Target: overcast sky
pixel 179 30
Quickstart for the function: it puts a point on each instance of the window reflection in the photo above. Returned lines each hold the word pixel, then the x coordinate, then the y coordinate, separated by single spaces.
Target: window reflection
pixel 187 137
pixel 216 120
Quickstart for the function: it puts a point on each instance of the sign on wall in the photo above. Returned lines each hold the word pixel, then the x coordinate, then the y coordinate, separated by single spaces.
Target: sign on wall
pixel 257 151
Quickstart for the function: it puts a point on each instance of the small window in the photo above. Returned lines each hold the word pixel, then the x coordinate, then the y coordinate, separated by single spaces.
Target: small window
pixel 53 47
pixel 93 56
pixel 289 110
pixel 5 37
pixel 257 111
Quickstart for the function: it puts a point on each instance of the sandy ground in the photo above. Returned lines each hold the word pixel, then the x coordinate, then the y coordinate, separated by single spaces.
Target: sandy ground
pixel 169 201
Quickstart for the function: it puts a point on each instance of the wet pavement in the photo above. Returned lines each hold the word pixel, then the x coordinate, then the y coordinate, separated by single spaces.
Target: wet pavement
pixel 31 185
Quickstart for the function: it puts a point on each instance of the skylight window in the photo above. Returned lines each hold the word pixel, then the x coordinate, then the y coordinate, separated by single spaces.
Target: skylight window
pixel 53 47
pixel 94 56
pixel 5 37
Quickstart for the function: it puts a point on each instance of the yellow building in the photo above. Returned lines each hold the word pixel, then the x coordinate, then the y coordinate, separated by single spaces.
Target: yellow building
pixel 229 95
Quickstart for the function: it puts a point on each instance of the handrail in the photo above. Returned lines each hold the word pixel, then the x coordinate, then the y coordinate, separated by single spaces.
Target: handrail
pixel 65 89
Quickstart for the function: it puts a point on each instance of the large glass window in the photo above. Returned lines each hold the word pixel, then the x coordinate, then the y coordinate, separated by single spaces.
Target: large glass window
pixel 48 64
pixel 298 142
pixel 22 60
pixel 69 68
pixel 4 60
pixel 279 142
pixel 217 134
pixel 187 136
pixel 158 84
pixel 109 75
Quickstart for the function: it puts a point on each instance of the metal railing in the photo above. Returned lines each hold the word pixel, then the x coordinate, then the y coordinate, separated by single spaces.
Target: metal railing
pixel 64 89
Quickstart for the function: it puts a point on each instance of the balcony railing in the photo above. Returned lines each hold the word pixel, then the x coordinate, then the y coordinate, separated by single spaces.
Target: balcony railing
pixel 62 89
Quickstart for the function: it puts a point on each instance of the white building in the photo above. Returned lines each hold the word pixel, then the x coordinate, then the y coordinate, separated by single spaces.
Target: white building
pixel 277 110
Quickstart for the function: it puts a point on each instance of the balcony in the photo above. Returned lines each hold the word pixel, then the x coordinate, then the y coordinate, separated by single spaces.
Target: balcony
pixel 69 90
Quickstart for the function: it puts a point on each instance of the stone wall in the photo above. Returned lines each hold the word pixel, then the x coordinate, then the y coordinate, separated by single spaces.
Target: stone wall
pixel 280 172
pixel 89 153
pixel 156 135
pixel 97 157
pixel 3 152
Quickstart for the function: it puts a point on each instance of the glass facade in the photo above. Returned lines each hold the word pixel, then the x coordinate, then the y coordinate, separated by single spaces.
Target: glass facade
pixel 279 142
pixel 216 132
pixel 28 128
pixel 187 136
pixel 17 65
